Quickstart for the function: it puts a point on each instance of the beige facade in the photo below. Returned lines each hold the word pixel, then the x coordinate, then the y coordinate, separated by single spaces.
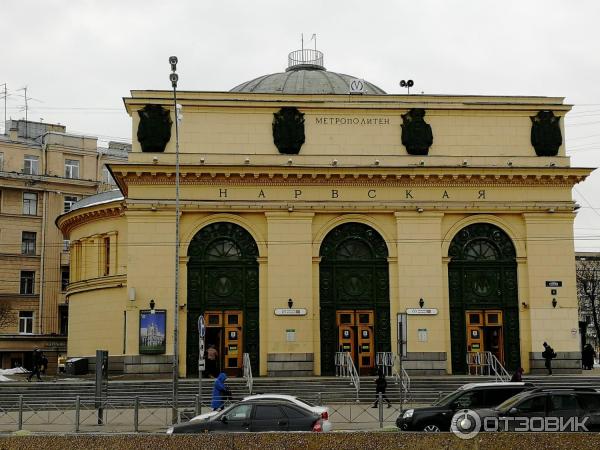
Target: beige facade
pixel 481 171
pixel 44 170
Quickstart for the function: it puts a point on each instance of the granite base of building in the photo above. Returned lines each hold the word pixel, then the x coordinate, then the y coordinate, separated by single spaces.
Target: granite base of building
pixel 290 364
pixel 565 362
pixel 135 364
pixel 425 363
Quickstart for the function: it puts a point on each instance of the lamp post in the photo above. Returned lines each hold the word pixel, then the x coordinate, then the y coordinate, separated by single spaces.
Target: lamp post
pixel 174 78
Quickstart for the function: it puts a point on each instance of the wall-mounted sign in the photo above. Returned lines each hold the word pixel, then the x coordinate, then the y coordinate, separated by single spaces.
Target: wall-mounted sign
pixel 153 325
pixel 290 311
pixel 553 283
pixel 290 335
pixel 422 334
pixel 421 311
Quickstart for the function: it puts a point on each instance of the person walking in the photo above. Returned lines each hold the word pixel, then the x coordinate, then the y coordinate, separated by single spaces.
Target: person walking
pixel 211 360
pixel 517 376
pixel 37 365
pixel 220 392
pixel 548 354
pixel 380 387
pixel 587 357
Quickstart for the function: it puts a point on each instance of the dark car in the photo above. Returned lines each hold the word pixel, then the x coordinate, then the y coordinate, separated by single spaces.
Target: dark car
pixel 438 416
pixel 556 402
pixel 249 416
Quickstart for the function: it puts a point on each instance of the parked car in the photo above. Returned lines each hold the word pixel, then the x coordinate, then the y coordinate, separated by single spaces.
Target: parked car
pixel 323 411
pixel 556 402
pixel 438 416
pixel 255 416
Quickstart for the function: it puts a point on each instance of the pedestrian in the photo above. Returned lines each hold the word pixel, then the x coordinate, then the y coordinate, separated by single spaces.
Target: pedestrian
pixel 220 392
pixel 518 375
pixel 587 357
pixel 211 361
pixel 548 354
pixel 380 387
pixel 37 365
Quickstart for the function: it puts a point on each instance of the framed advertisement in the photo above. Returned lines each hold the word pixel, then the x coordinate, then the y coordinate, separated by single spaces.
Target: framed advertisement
pixel 153 327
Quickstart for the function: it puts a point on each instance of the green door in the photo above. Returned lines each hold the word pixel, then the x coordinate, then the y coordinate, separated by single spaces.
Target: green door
pixel 222 275
pixel 353 275
pixel 482 275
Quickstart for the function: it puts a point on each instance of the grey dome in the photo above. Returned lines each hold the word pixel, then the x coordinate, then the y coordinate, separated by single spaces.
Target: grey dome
pixel 305 75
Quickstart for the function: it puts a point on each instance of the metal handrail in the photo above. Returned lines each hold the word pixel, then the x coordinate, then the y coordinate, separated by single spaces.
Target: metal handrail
pixel 247 374
pixel 354 378
pixel 400 375
pixel 486 363
pixel 500 372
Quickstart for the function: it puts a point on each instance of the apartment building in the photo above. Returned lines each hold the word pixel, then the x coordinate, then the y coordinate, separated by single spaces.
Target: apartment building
pixel 43 171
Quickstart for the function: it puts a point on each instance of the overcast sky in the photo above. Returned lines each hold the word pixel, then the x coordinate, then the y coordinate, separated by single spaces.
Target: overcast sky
pixel 78 59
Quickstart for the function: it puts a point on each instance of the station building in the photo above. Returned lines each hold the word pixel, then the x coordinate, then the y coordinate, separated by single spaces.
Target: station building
pixel 320 214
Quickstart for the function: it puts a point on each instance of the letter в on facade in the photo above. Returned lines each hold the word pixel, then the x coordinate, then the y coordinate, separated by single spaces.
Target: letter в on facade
pixel 334 193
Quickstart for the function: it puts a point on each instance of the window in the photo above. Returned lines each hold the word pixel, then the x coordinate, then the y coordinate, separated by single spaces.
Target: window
pixel 241 412
pixel 292 413
pixel 71 168
pixel 265 412
pixel 28 243
pixel 31 165
pixel 64 278
pixel 563 404
pixel 68 202
pixel 66 245
pixel 30 203
pixel 472 399
pixel 106 176
pixel 106 242
pixel 535 405
pixel 1 161
pixel 63 319
pixel 27 282
pixel 25 322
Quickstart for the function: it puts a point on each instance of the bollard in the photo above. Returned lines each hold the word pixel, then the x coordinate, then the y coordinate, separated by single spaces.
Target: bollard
pixel 320 399
pixel 20 412
pixel 136 414
pixel 77 407
pixel 198 408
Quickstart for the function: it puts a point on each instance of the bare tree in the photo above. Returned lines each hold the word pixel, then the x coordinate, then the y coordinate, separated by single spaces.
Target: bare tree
pixel 6 315
pixel 588 293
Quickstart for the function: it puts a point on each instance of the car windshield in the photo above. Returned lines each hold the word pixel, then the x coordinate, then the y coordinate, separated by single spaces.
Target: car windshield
pixel 507 404
pixel 449 398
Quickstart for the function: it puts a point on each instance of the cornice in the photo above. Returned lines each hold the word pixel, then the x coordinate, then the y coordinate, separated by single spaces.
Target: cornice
pixel 115 281
pixel 357 176
pixel 69 221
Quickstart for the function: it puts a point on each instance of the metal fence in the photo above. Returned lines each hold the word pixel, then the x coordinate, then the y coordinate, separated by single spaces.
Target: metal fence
pixel 139 414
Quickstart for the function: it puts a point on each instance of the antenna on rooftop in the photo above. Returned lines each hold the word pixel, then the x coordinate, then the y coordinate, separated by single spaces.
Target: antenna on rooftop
pixel 407 84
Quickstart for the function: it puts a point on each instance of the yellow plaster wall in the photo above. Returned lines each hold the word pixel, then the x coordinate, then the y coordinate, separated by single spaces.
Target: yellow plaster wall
pixel 551 257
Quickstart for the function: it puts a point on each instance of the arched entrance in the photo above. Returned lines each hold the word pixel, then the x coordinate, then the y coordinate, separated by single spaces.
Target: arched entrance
pixel 223 285
pixel 354 296
pixel 483 293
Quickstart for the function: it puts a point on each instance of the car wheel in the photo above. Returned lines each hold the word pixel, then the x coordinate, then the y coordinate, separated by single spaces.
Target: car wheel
pixel 431 428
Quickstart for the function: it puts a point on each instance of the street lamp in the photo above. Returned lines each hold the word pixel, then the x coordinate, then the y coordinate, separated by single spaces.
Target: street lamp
pixel 173 77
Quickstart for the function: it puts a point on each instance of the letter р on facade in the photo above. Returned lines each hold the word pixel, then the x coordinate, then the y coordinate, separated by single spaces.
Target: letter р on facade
pixel 254 235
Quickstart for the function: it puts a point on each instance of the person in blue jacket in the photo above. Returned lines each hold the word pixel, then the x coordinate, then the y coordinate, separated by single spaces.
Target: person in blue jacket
pixel 220 392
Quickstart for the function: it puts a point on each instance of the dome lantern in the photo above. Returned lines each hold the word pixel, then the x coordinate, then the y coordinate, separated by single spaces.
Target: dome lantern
pixel 305 59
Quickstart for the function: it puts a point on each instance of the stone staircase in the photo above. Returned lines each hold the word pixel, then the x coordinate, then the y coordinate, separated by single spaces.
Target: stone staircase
pixel 327 390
